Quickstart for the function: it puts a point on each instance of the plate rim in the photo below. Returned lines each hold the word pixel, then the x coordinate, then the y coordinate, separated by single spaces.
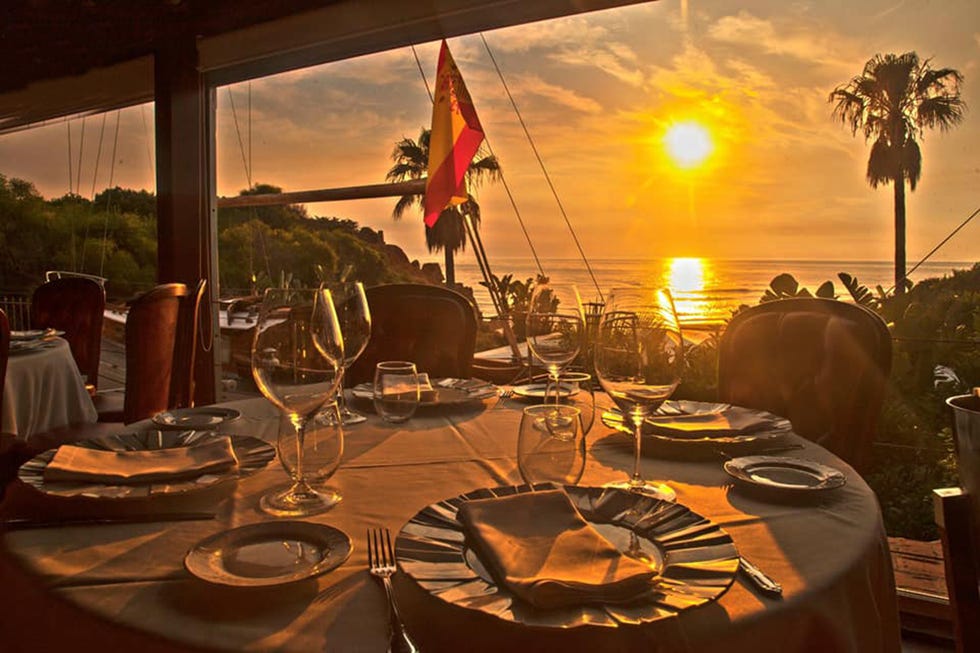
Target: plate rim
pixel 737 469
pixel 243 531
pixel 605 612
pixel 228 414
pixel 31 472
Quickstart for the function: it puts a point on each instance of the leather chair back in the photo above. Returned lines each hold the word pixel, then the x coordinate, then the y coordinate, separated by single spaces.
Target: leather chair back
pixel 432 326
pixel 821 363
pixel 4 354
pixel 75 305
pixel 151 334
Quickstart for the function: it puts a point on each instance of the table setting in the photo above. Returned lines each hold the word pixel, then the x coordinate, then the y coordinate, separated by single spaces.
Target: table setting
pixel 507 524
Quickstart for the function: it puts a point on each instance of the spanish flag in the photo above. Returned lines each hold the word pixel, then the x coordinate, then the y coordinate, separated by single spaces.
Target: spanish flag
pixel 455 138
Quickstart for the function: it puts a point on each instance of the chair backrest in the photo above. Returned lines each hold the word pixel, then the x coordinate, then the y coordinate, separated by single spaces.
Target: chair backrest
pixel 185 348
pixel 4 355
pixel 75 305
pixel 821 363
pixel 430 325
pixel 151 334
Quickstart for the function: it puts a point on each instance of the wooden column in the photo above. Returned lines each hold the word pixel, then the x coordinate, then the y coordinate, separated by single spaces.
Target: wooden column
pixel 184 234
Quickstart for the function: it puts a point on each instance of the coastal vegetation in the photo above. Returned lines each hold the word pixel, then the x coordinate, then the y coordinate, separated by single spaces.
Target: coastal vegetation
pixel 892 102
pixel 114 236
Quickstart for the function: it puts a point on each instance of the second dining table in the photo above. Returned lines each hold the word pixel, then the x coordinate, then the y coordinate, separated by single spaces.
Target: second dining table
pixel 830 555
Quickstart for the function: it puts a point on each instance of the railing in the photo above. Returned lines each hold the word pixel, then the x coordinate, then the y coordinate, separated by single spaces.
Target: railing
pixel 17 306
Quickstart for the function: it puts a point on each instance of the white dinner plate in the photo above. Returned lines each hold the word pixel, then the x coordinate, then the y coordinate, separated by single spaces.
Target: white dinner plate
pixel 784 474
pixel 35 334
pixel 199 418
pixel 268 553
pixel 252 454
pixel 538 390
pixel 769 426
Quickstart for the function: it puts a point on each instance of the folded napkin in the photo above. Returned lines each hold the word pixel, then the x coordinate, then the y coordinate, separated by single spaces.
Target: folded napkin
pixel 734 420
pixel 80 464
pixel 540 547
pixel 426 391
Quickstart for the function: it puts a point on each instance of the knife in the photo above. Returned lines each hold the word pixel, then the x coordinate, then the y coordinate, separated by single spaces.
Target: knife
pixel 20 523
pixel 760 578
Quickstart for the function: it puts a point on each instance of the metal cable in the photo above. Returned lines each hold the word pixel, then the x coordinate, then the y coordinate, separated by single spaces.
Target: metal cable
pixel 547 177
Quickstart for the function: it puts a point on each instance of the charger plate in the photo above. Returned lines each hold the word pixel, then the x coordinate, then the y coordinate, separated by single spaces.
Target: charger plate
pixel 539 390
pixel 252 454
pixel 268 553
pixel 686 443
pixel 697 560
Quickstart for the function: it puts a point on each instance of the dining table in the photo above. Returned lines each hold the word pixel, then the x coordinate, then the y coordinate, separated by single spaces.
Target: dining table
pixel 44 390
pixel 89 586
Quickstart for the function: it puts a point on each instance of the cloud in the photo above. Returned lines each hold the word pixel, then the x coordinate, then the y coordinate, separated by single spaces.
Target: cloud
pixel 804 41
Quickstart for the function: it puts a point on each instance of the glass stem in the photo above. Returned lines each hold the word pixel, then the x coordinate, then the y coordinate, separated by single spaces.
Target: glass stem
pixel 636 480
pixel 341 399
pixel 300 486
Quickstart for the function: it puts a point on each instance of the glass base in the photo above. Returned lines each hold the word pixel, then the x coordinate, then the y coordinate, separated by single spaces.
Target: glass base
pixel 298 502
pixel 347 417
pixel 655 489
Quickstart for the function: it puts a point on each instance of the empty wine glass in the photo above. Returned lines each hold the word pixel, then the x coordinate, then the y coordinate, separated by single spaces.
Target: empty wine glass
pixel 639 358
pixel 575 389
pixel 297 362
pixel 354 314
pixel 555 326
pixel 551 445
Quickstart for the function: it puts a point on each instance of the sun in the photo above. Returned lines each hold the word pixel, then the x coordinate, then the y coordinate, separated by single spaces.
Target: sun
pixel 688 144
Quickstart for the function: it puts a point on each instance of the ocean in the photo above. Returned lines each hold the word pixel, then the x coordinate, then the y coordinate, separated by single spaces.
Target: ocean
pixel 706 291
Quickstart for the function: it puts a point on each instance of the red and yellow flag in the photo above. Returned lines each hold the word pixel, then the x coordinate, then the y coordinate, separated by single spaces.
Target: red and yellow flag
pixel 455 138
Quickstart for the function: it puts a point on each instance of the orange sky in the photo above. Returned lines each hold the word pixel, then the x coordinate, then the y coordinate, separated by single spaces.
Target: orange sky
pixel 598 91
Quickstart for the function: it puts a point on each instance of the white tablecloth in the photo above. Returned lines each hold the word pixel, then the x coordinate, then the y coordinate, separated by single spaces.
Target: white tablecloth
pixel 831 556
pixel 44 390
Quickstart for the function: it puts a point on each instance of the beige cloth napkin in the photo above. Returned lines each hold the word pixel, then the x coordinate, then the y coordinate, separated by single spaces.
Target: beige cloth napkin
pixel 539 546
pixel 80 464
pixel 731 421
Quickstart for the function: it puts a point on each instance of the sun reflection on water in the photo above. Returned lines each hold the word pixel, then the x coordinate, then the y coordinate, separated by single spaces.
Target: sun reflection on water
pixel 687 279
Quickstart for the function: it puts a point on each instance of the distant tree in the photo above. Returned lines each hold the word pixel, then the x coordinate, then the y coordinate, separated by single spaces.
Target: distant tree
pixel 125 200
pixel 411 159
pixel 893 101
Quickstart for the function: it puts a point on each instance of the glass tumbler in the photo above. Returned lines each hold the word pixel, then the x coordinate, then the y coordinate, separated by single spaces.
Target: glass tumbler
pixel 551 444
pixel 396 390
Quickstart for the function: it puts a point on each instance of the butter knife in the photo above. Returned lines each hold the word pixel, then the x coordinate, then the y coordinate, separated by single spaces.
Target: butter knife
pixel 760 578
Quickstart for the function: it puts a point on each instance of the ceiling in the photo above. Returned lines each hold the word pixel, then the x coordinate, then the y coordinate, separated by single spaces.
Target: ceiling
pixel 71 57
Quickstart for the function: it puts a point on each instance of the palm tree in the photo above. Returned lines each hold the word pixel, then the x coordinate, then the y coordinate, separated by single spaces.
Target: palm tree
pixel 892 102
pixel 449 232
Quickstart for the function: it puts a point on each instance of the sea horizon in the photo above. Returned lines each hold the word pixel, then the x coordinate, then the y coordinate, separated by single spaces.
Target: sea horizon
pixel 706 290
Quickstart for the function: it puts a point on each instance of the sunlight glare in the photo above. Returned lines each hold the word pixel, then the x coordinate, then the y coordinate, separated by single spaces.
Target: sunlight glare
pixel 686 278
pixel 688 144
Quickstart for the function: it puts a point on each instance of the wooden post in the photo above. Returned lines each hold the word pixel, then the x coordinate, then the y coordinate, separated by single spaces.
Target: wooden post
pixel 184 234
pixel 953 517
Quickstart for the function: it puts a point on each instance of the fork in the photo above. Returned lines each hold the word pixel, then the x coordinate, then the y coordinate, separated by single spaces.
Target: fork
pixel 381 564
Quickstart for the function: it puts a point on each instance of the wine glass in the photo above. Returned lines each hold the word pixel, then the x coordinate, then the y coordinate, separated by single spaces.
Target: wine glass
pixel 555 326
pixel 551 445
pixel 639 358
pixel 354 314
pixel 297 363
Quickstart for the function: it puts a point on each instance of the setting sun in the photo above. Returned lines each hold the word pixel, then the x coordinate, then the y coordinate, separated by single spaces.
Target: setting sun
pixel 688 144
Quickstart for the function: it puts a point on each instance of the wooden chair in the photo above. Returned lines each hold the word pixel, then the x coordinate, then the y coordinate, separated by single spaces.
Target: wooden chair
pixel 821 363
pixel 75 305
pixel 151 337
pixel 185 348
pixel 430 325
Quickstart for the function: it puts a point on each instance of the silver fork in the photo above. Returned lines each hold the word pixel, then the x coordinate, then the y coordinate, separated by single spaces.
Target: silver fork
pixel 381 564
